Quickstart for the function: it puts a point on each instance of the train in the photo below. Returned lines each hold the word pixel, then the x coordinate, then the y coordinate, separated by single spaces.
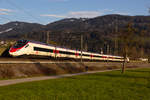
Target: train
pixel 35 48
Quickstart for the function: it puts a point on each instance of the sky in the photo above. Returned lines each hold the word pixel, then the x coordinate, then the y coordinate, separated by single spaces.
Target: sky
pixel 47 11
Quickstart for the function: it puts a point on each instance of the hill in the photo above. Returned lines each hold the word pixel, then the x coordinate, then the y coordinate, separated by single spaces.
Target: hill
pixel 98 33
pixel 15 30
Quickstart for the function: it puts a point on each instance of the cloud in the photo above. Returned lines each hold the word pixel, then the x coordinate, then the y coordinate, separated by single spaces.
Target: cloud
pixel 112 11
pixel 84 14
pixel 5 10
pixel 3 13
pixel 78 14
pixel 52 15
pixel 107 10
pixel 122 13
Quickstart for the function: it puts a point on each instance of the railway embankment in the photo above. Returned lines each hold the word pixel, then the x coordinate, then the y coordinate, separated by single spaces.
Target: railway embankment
pixel 12 70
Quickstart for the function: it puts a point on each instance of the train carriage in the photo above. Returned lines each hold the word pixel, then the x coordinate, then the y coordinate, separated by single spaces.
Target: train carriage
pixel 26 47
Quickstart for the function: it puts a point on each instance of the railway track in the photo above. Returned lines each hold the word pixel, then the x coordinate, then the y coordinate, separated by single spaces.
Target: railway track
pixel 35 59
pixel 10 60
pixel 29 59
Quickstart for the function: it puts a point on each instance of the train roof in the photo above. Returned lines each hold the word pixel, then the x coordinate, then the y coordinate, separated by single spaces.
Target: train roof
pixel 37 42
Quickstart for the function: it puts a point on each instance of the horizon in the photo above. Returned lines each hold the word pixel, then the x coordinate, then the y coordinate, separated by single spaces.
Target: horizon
pixel 72 18
pixel 49 11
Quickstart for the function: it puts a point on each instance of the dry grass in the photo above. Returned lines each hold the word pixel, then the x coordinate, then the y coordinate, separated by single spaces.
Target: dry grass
pixel 2 50
pixel 29 70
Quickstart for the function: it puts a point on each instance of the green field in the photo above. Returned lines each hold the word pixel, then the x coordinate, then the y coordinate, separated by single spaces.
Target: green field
pixel 133 85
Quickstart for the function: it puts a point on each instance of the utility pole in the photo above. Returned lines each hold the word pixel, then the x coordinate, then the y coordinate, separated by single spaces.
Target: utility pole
pixel 86 47
pixel 108 49
pixel 81 45
pixel 55 52
pixel 47 36
pixel 101 50
pixel 116 41
pixel 26 36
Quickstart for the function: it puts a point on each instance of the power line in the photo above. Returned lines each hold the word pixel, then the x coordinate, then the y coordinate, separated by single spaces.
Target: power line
pixel 10 21
pixel 5 18
pixel 25 11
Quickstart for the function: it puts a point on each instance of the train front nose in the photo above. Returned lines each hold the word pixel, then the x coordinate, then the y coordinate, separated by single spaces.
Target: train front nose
pixel 13 51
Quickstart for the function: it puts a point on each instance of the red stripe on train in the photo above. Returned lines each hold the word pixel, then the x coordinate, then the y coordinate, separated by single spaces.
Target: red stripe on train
pixel 55 51
pixel 14 49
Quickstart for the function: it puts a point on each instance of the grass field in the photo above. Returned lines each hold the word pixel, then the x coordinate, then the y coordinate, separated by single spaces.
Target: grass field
pixel 133 85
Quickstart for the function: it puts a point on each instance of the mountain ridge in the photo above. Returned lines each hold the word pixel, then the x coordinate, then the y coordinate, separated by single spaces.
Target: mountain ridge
pixel 97 32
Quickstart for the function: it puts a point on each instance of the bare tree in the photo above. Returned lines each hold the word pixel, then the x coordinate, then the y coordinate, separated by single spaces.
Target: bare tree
pixel 126 39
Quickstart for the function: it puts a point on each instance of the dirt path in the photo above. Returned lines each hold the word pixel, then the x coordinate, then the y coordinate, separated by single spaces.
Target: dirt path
pixel 23 80
pixel 16 81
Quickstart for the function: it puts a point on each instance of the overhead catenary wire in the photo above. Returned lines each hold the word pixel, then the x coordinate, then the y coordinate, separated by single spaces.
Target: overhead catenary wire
pixel 5 18
pixel 8 20
pixel 1 17
pixel 23 10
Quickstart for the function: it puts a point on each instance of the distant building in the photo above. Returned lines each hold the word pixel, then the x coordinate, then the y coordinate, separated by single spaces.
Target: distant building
pixel 2 42
pixel 11 43
pixel 143 59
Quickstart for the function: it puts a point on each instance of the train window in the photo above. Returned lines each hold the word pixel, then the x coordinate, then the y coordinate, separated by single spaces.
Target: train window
pixel 20 43
pixel 42 49
pixel 26 46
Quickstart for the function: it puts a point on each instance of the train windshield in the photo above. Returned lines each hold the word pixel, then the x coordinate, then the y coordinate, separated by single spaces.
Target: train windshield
pixel 20 43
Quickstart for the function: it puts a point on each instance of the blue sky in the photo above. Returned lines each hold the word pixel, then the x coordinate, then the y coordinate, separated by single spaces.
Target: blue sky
pixel 46 11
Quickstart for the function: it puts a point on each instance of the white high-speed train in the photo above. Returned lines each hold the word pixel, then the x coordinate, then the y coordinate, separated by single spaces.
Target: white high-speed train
pixel 27 47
